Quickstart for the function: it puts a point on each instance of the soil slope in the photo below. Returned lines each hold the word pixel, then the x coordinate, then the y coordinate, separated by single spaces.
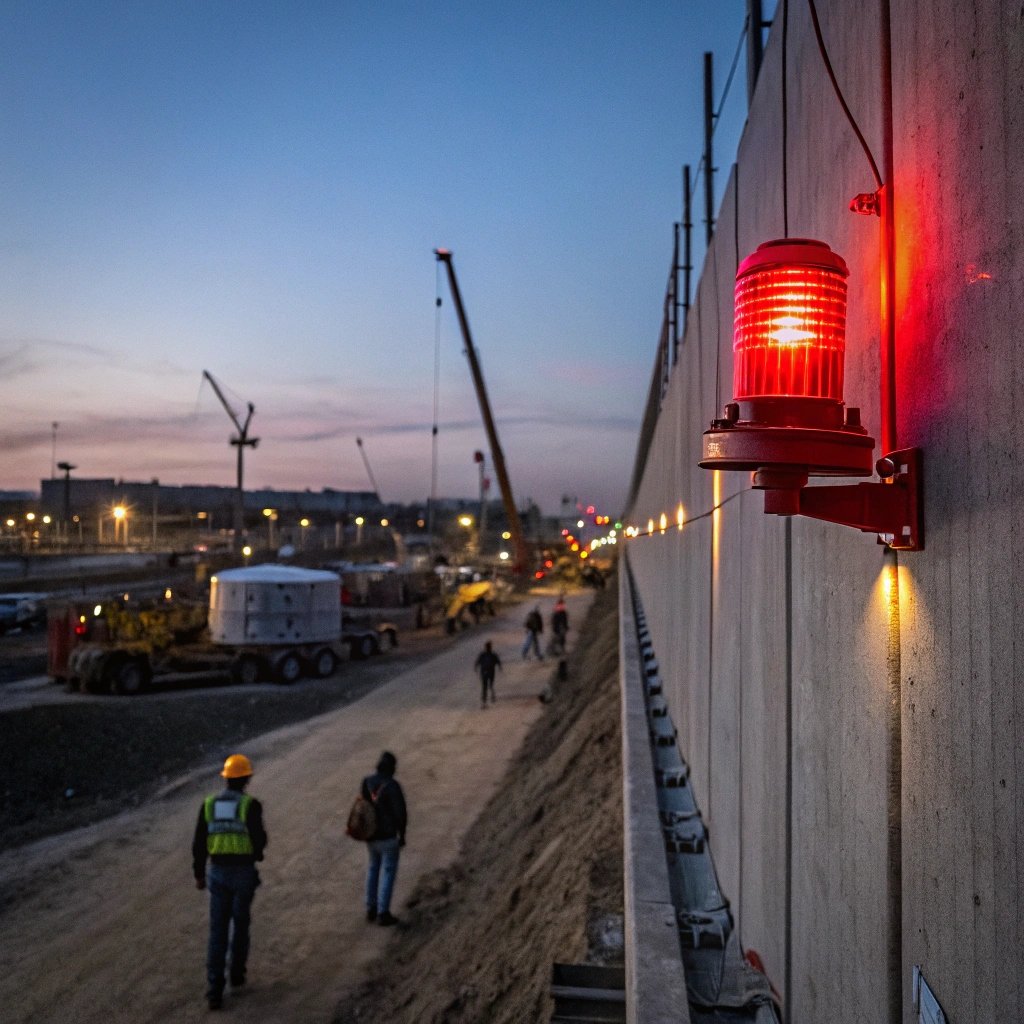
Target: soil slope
pixel 539 875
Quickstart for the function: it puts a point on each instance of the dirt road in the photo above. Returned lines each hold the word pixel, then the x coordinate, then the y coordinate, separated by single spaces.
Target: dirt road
pixel 105 924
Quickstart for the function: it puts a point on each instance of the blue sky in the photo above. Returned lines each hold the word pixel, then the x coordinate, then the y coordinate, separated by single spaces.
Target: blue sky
pixel 256 189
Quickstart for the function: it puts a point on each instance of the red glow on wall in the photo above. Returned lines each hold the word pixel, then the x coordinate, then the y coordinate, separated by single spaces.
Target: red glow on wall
pixel 790 322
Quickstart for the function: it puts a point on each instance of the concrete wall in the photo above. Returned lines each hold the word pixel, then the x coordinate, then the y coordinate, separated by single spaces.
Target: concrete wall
pixel 856 842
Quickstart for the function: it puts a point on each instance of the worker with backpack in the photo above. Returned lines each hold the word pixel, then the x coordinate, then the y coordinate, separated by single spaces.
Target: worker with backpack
pixel 379 818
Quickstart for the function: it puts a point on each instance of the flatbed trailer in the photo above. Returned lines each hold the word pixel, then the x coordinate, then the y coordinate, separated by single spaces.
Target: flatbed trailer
pixel 126 652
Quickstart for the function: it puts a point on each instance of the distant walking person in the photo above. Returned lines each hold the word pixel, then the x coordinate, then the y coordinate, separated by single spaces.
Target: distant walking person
pixel 384 792
pixel 559 626
pixel 487 663
pixel 534 626
pixel 230 834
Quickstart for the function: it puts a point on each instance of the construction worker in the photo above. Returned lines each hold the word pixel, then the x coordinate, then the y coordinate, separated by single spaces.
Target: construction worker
pixel 231 835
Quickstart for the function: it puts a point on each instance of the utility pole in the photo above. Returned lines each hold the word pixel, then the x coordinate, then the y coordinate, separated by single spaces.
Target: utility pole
pixel 755 49
pixel 709 130
pixel 242 441
pixel 675 294
pixel 687 238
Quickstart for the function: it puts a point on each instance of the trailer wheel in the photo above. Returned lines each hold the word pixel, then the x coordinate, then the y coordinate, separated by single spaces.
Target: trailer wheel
pixel 95 669
pixel 248 669
pixel 324 663
pixel 364 647
pixel 289 668
pixel 130 677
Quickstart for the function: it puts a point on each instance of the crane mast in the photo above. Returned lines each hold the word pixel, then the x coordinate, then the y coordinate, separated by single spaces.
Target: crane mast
pixel 515 525
pixel 242 441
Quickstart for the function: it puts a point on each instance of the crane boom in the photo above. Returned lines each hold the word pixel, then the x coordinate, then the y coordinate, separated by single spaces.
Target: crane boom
pixel 241 428
pixel 369 471
pixel 515 525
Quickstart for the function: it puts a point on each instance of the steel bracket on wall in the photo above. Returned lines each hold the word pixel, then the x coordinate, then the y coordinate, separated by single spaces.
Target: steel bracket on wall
pixel 891 507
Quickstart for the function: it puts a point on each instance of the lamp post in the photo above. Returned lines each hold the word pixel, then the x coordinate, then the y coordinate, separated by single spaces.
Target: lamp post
pixel 359 530
pixel 271 515
pixel 303 526
pixel 156 499
pixel 65 468
pixel 478 458
pixel 466 522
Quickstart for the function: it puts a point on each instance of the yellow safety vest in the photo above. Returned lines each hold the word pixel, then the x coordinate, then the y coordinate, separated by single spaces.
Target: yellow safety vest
pixel 226 830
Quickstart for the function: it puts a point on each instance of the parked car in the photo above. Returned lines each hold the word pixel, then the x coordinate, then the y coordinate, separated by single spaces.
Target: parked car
pixel 21 611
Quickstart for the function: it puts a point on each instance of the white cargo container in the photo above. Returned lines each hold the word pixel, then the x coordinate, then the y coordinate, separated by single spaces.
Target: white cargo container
pixel 275 604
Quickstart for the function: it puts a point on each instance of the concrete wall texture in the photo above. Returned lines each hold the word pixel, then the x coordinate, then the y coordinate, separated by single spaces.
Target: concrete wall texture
pixel 854 718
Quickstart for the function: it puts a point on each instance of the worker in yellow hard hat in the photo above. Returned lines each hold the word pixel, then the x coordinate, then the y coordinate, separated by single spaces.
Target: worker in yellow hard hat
pixel 230 835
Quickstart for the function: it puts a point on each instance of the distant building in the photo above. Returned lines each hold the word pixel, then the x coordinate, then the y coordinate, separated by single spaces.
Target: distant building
pixel 188 506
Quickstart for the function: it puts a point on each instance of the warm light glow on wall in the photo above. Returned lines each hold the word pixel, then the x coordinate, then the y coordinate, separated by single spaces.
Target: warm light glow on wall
pixel 663 522
pixel 680 516
pixel 650 526
pixel 716 518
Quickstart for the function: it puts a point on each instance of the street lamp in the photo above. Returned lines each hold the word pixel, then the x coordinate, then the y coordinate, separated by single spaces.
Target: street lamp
pixel 271 515
pixel 121 517
pixel 246 552
pixel 304 524
pixel 359 530
pixel 471 540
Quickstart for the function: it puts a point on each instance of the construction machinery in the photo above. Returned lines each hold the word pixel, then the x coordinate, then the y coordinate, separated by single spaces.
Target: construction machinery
pixel 275 622
pixel 515 526
pixel 242 441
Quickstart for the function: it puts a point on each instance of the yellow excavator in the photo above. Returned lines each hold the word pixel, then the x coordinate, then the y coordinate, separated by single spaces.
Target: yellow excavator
pixel 478 596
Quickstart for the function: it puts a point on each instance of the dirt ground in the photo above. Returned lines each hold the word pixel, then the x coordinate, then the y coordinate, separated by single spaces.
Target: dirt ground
pixel 70 760
pixel 104 924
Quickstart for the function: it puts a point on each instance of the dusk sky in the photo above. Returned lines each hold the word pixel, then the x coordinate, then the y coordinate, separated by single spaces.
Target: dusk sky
pixel 256 189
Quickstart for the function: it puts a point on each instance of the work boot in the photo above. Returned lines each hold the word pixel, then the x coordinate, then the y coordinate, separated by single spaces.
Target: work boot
pixel 385 920
pixel 371 914
pixel 237 979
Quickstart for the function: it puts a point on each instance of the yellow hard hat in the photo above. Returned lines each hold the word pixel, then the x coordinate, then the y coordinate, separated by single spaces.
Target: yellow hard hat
pixel 237 766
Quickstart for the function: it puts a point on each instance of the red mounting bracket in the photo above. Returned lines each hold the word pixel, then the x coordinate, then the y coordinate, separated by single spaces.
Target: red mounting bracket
pixel 893 507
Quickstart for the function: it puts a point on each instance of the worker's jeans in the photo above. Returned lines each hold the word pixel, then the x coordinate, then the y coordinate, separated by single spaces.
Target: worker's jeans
pixel 380 876
pixel 532 641
pixel 232 887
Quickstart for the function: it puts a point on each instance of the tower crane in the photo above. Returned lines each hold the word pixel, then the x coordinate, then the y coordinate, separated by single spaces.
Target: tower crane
pixel 366 463
pixel 242 441
pixel 515 525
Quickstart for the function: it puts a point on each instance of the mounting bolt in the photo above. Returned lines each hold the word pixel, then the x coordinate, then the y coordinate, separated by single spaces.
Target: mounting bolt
pixel 886 468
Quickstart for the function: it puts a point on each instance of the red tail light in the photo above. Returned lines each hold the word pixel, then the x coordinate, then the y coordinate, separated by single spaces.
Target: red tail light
pixel 790 322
